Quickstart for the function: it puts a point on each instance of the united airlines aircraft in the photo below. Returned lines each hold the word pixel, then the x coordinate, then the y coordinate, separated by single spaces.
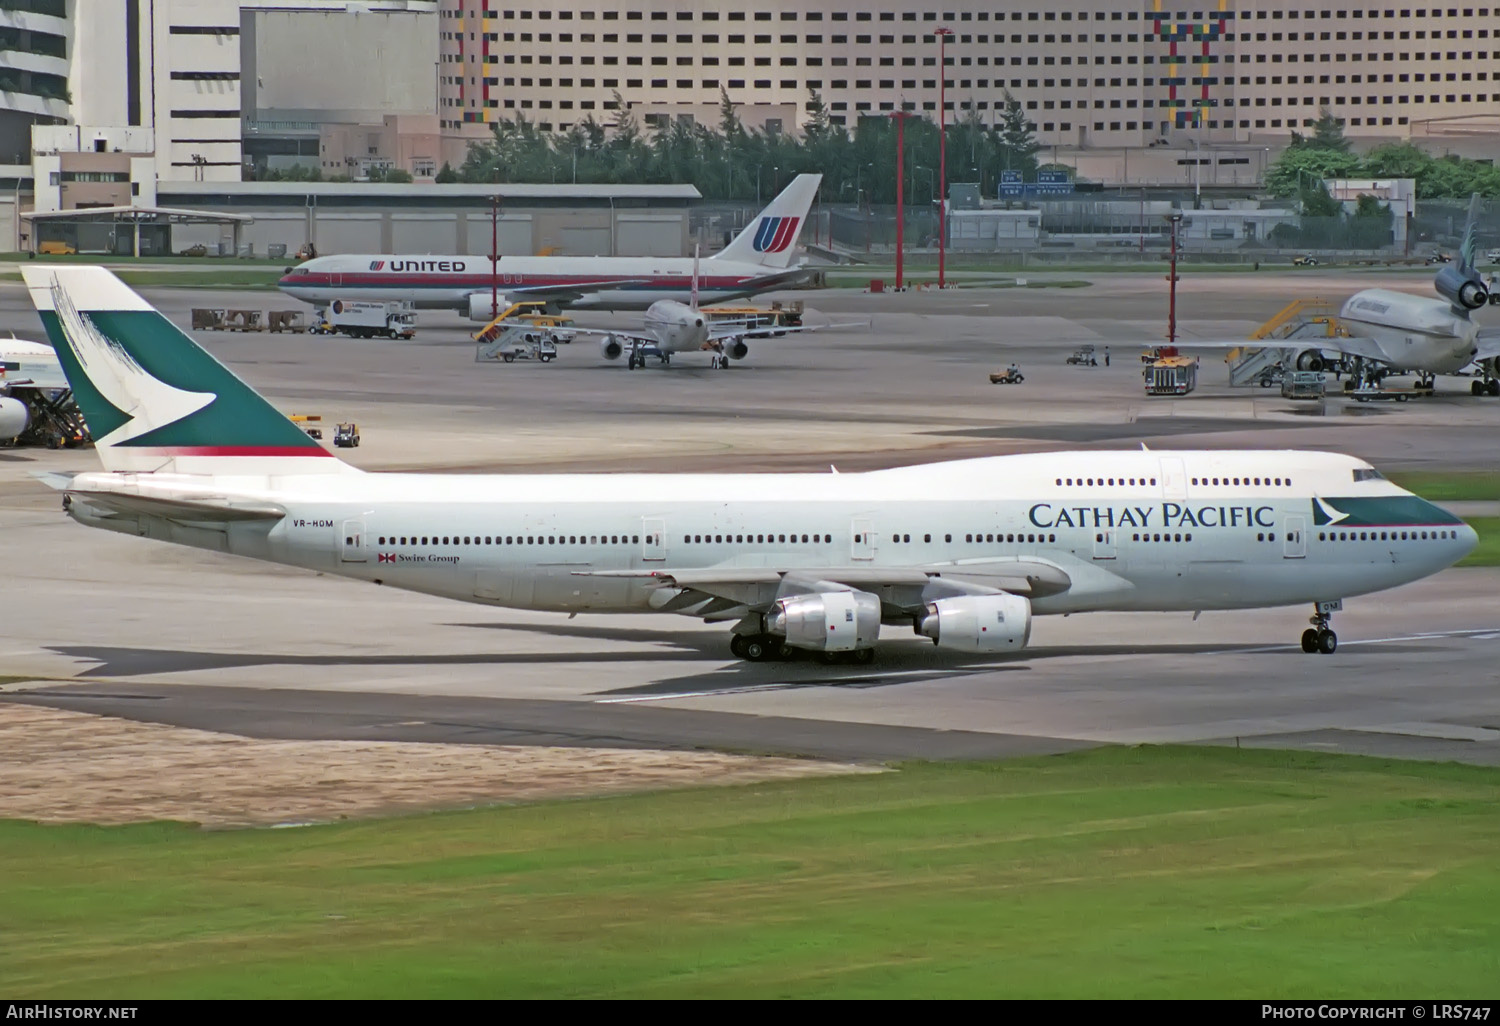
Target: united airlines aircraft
pixel 757 260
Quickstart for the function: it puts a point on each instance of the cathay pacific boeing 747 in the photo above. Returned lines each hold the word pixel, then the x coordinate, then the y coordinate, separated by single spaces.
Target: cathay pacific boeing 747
pixel 965 553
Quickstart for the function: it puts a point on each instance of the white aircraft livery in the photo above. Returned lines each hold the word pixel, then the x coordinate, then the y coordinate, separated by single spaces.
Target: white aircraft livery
pixel 964 553
pixel 757 260
pixel 1389 330
pixel 30 377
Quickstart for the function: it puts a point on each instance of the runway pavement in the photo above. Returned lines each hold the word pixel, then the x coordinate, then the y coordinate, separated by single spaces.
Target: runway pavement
pixel 101 622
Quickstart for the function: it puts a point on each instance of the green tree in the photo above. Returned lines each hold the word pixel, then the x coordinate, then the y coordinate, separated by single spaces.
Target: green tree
pixel 1328 134
pixel 446 175
pixel 1018 145
pixel 1292 171
pixel 1370 227
pixel 1397 160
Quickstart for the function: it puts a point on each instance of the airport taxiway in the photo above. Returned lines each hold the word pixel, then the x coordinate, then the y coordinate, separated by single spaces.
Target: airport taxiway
pixel 99 622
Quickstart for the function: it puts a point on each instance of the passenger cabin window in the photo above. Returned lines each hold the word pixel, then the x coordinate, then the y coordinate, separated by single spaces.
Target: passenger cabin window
pixel 1367 474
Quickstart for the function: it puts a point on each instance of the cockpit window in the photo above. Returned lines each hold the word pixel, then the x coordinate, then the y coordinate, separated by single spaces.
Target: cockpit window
pixel 1368 474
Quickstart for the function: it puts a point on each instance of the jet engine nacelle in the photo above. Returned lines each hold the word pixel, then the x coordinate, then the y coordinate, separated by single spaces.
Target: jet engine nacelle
pixel 1310 360
pixel 832 621
pixel 610 347
pixel 480 306
pixel 1464 289
pixel 736 349
pixel 978 623
pixel 14 416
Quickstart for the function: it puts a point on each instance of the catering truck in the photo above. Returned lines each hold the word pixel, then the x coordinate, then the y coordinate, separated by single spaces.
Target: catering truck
pixel 366 320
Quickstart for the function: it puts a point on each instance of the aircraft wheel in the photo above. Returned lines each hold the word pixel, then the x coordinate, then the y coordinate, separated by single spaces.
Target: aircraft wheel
pixel 757 648
pixel 1309 641
pixel 1476 388
pixel 1328 642
pixel 1493 387
pixel 737 645
pixel 723 363
pixel 864 656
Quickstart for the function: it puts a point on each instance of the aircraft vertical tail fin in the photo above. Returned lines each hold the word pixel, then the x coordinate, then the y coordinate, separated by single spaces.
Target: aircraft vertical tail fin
pixel 771 237
pixel 1471 240
pixel 154 400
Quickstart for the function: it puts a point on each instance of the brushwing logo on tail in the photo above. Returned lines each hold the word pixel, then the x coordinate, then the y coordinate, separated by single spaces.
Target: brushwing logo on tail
pixel 149 402
pixel 775 234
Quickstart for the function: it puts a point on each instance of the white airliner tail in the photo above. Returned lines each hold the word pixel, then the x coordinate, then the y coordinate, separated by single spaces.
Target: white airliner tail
pixel 771 238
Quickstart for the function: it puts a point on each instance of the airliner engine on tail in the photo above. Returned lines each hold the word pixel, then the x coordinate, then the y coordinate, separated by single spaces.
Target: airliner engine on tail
pixel 1397 331
pixel 757 260
pixel 963 553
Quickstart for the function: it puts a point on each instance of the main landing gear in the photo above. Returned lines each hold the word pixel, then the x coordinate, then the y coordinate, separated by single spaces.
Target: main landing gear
pixel 719 362
pixel 755 648
pixel 1320 637
pixel 761 648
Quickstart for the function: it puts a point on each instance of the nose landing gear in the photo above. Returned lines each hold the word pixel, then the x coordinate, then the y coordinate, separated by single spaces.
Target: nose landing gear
pixel 1320 637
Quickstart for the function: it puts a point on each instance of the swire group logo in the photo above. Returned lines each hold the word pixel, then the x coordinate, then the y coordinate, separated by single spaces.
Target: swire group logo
pixel 387 557
pixel 775 233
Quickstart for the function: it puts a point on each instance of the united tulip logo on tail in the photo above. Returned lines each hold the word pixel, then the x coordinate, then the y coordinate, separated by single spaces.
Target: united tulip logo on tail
pixel 775 233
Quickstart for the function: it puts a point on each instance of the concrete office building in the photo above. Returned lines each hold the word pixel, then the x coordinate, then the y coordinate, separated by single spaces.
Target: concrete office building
pixel 36 58
pixel 1092 75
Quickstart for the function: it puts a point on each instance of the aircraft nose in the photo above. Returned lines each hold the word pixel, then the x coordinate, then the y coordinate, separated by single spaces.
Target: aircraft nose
pixel 1466 542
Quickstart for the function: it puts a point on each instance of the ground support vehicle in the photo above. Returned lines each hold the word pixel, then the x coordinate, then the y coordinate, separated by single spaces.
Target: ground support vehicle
pixel 1083 356
pixel 359 319
pixel 1171 375
pixel 512 342
pixel 1008 377
pixel 1302 385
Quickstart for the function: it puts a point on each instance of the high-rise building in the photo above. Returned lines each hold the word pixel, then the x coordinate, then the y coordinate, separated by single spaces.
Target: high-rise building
pixel 36 44
pixel 1089 73
pixel 197 74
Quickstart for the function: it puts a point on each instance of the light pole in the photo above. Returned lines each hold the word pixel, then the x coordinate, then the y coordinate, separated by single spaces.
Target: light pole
pixel 1175 218
pixel 494 257
pixel 931 181
pixel 900 117
pixel 943 34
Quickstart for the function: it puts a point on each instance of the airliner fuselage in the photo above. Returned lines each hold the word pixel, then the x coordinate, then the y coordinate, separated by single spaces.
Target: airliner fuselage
pixel 1413 332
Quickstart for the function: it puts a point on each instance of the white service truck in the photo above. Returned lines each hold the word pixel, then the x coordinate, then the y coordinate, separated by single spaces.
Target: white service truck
pixel 359 319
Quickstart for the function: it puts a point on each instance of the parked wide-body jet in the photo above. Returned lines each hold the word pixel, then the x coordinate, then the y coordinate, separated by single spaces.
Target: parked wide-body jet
pixel 758 259
pixel 965 553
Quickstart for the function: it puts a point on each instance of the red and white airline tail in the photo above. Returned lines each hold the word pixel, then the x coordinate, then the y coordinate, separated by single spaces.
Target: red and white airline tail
pixel 771 238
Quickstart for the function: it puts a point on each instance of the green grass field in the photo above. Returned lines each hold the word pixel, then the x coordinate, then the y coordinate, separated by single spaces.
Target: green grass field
pixel 1451 486
pixel 1487 552
pixel 1109 873
pixel 237 278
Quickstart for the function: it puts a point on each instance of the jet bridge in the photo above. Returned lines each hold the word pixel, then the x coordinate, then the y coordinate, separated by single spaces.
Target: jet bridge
pixel 1294 330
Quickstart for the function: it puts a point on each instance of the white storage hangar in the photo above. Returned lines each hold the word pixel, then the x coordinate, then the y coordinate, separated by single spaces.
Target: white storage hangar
pixel 366 217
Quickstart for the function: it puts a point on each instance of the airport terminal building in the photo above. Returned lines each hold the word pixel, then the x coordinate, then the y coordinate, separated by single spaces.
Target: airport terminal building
pixel 1090 73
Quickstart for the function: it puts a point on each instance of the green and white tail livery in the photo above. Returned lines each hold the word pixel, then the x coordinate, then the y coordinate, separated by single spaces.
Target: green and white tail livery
pixel 155 401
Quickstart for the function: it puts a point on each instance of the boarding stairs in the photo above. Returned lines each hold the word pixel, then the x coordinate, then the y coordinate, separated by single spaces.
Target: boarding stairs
pixel 1301 323
pixel 495 327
